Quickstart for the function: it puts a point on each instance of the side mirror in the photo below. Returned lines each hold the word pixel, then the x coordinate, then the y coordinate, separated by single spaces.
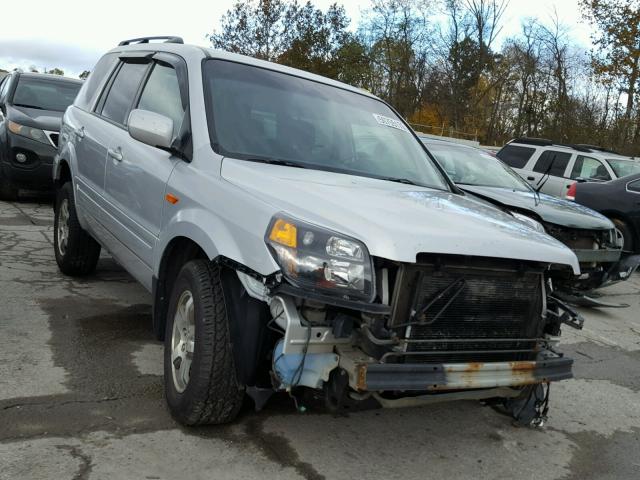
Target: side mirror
pixel 151 128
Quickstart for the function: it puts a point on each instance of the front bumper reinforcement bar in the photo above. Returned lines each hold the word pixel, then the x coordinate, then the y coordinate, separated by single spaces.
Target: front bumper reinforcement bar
pixel 366 374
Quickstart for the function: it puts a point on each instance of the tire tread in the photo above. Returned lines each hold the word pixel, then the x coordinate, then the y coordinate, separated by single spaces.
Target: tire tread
pixel 218 396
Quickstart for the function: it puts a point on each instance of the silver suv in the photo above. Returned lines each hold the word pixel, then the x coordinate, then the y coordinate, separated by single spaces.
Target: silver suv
pixel 295 233
pixel 552 168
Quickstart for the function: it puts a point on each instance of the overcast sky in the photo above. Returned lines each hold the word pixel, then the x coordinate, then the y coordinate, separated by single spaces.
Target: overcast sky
pixel 73 34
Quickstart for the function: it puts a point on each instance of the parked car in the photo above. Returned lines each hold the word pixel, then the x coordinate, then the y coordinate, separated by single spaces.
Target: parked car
pixel 295 233
pixel 552 168
pixel 591 236
pixel 618 200
pixel 31 108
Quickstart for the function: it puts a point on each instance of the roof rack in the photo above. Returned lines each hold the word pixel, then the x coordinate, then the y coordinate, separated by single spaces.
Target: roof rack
pixel 166 38
pixel 543 142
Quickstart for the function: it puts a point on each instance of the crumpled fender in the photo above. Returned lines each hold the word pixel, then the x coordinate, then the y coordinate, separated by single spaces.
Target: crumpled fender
pixel 216 238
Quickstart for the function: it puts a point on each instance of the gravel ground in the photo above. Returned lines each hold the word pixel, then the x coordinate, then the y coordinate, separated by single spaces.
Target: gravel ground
pixel 81 396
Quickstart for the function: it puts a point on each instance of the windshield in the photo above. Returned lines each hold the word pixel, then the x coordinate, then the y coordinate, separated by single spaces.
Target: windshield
pixel 470 166
pixel 262 115
pixel 45 94
pixel 622 167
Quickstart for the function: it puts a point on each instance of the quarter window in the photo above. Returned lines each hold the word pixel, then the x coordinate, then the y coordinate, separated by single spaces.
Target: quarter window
pixel 634 186
pixel 553 162
pixel 515 156
pixel 122 92
pixel 162 95
pixel 590 169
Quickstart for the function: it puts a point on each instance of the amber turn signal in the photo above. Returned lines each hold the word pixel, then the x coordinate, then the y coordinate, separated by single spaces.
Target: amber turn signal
pixel 284 233
pixel 171 198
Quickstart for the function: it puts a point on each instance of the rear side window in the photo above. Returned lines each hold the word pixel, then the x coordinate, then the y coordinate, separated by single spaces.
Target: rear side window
pixel 515 156
pixel 553 162
pixel 589 169
pixel 123 91
pixel 89 91
pixel 161 95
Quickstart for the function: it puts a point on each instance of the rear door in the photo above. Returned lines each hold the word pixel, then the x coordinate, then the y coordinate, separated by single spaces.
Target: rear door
pixel 87 135
pixel 137 173
pixel 549 173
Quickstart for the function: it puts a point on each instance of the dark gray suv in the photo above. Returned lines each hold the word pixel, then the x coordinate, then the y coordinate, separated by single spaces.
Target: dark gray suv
pixel 31 108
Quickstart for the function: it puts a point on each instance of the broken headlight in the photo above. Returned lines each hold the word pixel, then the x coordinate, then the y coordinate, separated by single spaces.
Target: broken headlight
pixel 315 258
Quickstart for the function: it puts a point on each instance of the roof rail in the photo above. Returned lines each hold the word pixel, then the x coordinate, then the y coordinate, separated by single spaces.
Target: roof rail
pixel 579 148
pixel 597 148
pixel 166 38
pixel 543 142
pixel 532 141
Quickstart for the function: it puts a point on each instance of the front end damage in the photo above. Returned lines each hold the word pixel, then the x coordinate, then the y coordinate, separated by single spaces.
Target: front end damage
pixel 444 328
pixel 602 259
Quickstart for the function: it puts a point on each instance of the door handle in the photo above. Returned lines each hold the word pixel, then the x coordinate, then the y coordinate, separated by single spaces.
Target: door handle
pixel 80 132
pixel 531 178
pixel 115 154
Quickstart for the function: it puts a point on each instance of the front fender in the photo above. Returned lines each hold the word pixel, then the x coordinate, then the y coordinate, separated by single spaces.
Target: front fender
pixel 66 153
pixel 215 237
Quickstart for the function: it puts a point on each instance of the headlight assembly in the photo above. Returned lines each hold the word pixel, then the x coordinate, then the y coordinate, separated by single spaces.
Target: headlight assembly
pixel 315 258
pixel 29 132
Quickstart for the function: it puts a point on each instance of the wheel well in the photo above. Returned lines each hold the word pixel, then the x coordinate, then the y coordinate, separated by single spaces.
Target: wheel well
pixel 623 218
pixel 64 175
pixel 179 251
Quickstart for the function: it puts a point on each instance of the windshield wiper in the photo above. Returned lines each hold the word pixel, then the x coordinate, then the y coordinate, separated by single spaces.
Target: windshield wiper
pixel 276 161
pixel 406 181
pixel 24 105
pixel 545 176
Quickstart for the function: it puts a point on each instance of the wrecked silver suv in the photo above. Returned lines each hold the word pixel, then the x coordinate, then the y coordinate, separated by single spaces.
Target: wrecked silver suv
pixel 296 235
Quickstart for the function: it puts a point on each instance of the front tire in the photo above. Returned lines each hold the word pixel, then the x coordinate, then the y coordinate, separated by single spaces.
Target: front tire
pixel 76 251
pixel 627 235
pixel 200 378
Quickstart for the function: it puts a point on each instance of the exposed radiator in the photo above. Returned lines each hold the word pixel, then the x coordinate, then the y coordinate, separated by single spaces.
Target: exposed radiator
pixel 492 315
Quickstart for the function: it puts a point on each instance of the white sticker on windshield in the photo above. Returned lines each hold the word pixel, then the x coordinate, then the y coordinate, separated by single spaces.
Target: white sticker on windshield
pixel 390 122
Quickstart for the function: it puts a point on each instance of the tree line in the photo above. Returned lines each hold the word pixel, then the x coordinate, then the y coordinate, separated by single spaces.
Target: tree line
pixel 444 65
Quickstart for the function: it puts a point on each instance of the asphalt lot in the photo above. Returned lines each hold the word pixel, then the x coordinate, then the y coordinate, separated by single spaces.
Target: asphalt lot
pixel 81 396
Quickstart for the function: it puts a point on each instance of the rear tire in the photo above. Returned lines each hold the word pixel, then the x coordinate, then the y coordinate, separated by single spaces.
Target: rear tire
pixel 76 251
pixel 198 337
pixel 627 235
pixel 8 191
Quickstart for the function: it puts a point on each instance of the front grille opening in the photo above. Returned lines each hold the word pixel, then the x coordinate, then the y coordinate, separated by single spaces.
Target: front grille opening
pixel 496 314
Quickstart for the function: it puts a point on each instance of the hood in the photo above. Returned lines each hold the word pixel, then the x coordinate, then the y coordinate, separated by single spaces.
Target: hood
pixel 32 117
pixel 550 209
pixel 396 221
